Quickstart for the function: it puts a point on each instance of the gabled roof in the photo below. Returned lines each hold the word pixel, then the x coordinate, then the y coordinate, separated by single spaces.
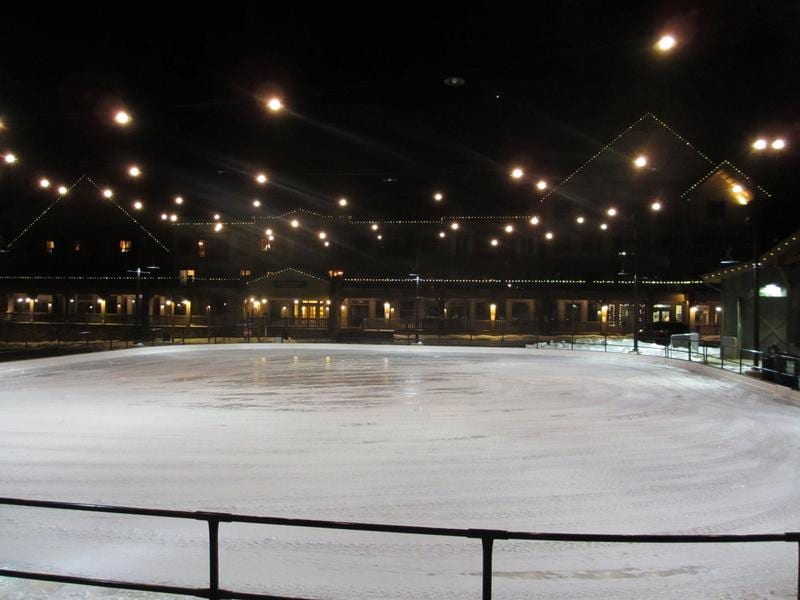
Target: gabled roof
pixel 84 180
pixel 287 270
pixel 610 149
pixel 724 165
pixel 780 250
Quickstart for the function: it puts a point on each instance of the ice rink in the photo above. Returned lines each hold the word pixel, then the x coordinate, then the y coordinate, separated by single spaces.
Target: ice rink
pixel 495 438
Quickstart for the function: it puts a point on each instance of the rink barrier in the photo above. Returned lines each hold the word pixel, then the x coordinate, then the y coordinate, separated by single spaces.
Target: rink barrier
pixel 486 536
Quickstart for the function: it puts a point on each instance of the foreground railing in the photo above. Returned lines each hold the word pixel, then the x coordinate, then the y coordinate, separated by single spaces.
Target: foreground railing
pixel 213 519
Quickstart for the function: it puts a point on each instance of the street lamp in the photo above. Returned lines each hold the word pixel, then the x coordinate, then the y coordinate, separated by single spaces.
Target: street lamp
pixel 416 308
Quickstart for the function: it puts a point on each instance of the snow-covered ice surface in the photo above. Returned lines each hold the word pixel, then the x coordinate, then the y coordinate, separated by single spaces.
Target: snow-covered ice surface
pixel 497 438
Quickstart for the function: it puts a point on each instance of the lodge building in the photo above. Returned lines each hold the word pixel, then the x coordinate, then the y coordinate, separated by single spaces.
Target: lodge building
pixel 578 259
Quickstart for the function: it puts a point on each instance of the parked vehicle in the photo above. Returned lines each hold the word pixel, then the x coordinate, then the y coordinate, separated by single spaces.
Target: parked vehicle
pixel 660 333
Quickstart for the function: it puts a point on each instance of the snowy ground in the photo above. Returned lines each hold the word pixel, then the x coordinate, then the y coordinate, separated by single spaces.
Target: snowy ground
pixel 499 438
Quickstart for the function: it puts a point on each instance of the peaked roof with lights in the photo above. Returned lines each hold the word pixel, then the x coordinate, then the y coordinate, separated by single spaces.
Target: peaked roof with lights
pixel 59 210
pixel 785 252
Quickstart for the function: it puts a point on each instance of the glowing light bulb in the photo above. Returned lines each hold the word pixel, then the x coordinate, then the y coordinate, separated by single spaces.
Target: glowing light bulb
pixel 494 242
pixel 134 171
pixel 655 206
pixel 295 223
pixel 541 185
pixel 517 173
pixel 549 235
pixel 256 203
pixel 778 144
pixel 261 179
pixel 275 104
pixel 666 43
pixel 216 216
pixel 178 200
pixel 322 235
pixel 438 196
pixel 108 193
pixel 612 212
pixel 62 190
pixel 122 118
pixel 509 229
pixel 218 227
pixel 580 220
pixel 374 227
pixel 442 234
pixel 268 232
pixel 342 202
pixel 44 183
pixel 173 217
pixel 164 216
pixel 640 162
pixel 603 226
pixel 454 226
pixel 535 220
pixel 760 144
pixel 10 158
pixel 138 205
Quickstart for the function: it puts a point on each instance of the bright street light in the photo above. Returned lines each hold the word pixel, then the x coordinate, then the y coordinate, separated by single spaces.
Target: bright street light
pixel 778 144
pixel 517 173
pixel 138 205
pixel 655 206
pixel 134 171
pixel 44 183
pixel 10 158
pixel 62 190
pixel 541 185
pixel 261 179
pixel 438 196
pixel 342 202
pixel 108 193
pixel 760 144
pixel 178 200
pixel 666 43
pixel 275 104
pixel 640 162
pixel 122 118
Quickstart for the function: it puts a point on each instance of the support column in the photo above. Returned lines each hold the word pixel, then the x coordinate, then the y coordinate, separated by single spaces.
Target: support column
pixel 584 304
pixel 472 312
pixel 562 310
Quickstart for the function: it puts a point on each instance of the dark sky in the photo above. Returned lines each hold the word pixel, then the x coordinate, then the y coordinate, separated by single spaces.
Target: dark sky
pixel 546 86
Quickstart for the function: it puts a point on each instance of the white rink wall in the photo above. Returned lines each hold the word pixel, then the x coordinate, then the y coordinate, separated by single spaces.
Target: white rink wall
pixel 469 437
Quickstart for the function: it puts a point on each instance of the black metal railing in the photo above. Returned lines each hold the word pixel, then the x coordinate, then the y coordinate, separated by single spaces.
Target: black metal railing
pixel 213 519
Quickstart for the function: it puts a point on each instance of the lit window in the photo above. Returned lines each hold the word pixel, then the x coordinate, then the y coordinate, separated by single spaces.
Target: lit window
pixel 245 272
pixel 184 274
pixel 125 246
pixel 50 246
pixel 201 248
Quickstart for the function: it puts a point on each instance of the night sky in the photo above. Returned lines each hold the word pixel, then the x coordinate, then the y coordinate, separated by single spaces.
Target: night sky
pixel 369 116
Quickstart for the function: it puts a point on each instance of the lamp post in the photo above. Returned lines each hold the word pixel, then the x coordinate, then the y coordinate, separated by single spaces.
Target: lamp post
pixel 416 308
pixel 138 308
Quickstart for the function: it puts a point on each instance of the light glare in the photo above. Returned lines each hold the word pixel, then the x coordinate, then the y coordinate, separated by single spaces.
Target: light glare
pixel 122 118
pixel 44 183
pixel 275 104
pixel 666 43
pixel 517 173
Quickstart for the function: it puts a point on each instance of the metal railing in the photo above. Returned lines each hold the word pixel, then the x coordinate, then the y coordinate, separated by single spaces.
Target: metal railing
pixel 213 519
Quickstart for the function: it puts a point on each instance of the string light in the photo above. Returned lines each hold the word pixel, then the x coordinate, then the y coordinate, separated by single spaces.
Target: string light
pixel 108 193
pixel 62 190
pixel 535 220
